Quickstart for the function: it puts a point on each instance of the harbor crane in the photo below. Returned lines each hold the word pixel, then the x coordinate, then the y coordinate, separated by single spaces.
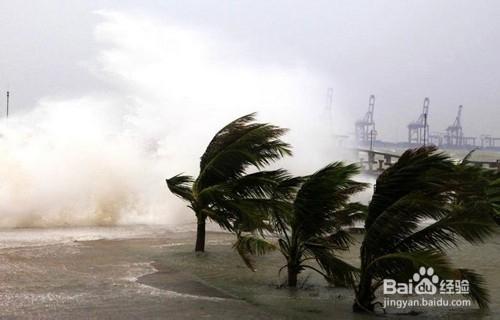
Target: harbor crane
pixel 454 133
pixel 365 128
pixel 418 130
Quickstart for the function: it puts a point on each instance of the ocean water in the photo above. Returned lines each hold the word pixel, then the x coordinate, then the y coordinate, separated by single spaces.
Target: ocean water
pixel 144 272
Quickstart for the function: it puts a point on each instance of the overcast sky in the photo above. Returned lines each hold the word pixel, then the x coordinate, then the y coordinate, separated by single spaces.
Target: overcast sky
pixel 401 51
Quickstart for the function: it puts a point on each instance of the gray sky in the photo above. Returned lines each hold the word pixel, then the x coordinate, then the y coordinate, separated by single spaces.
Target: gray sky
pixel 401 51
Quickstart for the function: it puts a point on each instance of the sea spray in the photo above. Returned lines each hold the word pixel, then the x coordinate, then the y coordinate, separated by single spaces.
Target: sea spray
pixel 101 159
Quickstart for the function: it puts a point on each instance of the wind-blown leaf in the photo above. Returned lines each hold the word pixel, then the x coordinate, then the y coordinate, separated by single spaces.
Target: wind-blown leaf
pixel 249 246
pixel 336 271
pixel 237 146
pixel 417 169
pixel 402 265
pixel 321 195
pixel 477 287
pixel 400 220
pixel 467 157
pixel 181 185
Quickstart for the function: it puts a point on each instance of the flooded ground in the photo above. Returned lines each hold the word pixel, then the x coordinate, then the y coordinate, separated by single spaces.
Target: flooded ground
pixel 152 272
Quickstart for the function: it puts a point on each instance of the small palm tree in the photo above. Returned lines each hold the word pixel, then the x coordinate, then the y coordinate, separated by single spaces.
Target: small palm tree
pixel 309 217
pixel 223 191
pixel 314 228
pixel 423 205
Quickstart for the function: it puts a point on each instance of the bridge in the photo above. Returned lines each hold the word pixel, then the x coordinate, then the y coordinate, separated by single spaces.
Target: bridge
pixel 374 162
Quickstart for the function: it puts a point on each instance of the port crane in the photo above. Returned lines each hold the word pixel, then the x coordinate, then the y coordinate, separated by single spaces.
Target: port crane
pixel 418 130
pixel 365 128
pixel 454 136
pixel 454 133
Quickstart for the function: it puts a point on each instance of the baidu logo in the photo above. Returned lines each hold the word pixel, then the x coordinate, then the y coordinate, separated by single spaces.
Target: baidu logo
pixel 426 282
pixel 423 282
pixel 421 288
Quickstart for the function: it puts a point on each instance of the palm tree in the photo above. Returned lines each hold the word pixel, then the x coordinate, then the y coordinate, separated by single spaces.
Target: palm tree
pixel 223 191
pixel 314 229
pixel 422 205
pixel 309 217
pixel 482 187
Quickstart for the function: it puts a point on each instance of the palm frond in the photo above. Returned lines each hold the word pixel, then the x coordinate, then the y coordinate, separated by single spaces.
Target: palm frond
pixel 401 220
pixel 239 145
pixel 336 271
pixel 401 265
pixel 339 240
pixel 261 184
pixel 350 213
pixel 493 194
pixel 477 287
pixel 224 136
pixel 181 186
pixel 417 169
pixel 249 246
pixel 467 157
pixel 322 193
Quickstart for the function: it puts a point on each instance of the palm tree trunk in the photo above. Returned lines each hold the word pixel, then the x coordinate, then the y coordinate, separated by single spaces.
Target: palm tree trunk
pixel 292 276
pixel 200 234
pixel 364 296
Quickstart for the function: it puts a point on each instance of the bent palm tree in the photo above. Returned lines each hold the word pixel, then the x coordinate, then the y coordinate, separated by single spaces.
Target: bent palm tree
pixel 482 187
pixel 422 206
pixel 223 191
pixel 309 217
pixel 314 228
